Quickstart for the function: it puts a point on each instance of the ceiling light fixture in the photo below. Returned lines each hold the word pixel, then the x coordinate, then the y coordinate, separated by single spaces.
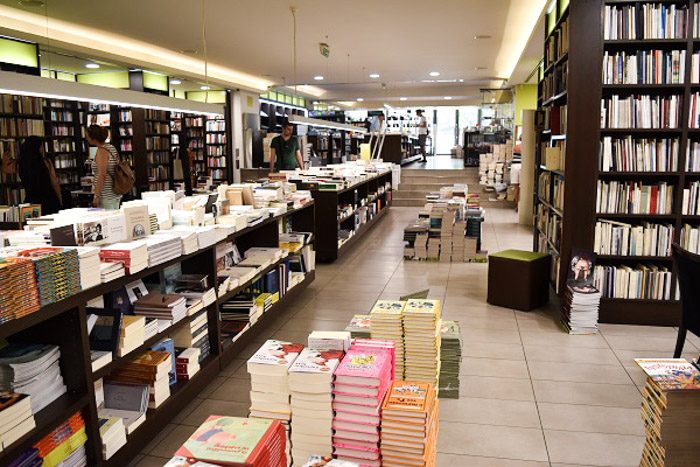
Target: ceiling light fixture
pixel 448 98
pixel 204 88
pixel 374 75
pixel 434 73
pixel 479 68
pixel 360 99
pixel 403 98
pixel 317 122
pixel 318 78
pixel 482 36
pixel 175 81
pixel 461 80
pixel 92 66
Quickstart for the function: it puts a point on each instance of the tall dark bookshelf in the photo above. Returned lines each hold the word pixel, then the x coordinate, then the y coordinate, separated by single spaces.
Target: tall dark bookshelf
pixel 158 154
pixel 193 129
pixel 217 149
pixel 65 140
pixel 575 79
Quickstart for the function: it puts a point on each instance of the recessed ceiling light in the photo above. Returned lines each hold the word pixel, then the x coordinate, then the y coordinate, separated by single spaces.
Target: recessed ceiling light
pixel 448 98
pixel 434 73
pixel 461 80
pixel 92 65
pixel 479 68
pixel 204 88
pixel 31 3
pixel 318 78
pixel 188 51
pixel 359 99
pixel 374 75
pixel 482 36
pixel 403 98
pixel 175 81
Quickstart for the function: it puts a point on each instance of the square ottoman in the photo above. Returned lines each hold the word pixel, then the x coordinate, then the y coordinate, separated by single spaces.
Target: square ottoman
pixel 519 279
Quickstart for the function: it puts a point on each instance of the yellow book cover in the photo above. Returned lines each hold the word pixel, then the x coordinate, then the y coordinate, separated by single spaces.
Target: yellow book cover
pixel 388 307
pixel 423 307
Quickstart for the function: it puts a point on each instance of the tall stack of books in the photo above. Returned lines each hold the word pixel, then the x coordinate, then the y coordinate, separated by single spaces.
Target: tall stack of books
pixel 112 434
pixel 162 248
pixel 671 412
pixel 446 240
pixel 20 295
pixel 311 387
pixel 188 239
pixel 57 272
pixel 150 368
pixel 131 335
pixel 126 401
pixel 187 363
pixel 111 271
pixel 458 243
pixel 361 381
pixel 359 326
pixel 133 255
pixel 65 445
pixel 171 307
pixel 450 359
pixel 89 261
pixel 234 441
pixel 579 311
pixel 195 334
pixel 16 417
pixel 386 322
pixel 33 370
pixel 421 325
pixel 409 424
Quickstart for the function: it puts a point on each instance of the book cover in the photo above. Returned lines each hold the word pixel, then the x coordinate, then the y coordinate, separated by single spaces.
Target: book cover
pixel 408 396
pixel 364 363
pixel 359 324
pixel 671 374
pixel 316 361
pixel 423 307
pixel 388 307
pixel 277 353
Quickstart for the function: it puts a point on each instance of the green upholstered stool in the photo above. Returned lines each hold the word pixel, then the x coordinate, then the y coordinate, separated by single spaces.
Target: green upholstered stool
pixel 519 279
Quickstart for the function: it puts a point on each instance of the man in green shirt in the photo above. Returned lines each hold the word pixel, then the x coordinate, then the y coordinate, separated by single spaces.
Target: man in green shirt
pixel 285 153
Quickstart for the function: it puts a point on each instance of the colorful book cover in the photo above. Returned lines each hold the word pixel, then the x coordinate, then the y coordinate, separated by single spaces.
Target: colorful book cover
pixel 408 396
pixel 316 361
pixel 226 440
pixel 359 324
pixel 449 330
pixel 671 374
pixel 388 307
pixel 423 307
pixel 365 363
pixel 275 352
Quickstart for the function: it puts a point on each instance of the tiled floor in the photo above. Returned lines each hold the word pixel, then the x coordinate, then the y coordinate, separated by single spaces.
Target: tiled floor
pixel 437 162
pixel 531 395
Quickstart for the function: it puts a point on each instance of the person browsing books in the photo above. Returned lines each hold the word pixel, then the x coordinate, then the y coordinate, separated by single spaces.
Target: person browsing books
pixel 103 168
pixel 285 153
pixel 422 133
pixel 38 176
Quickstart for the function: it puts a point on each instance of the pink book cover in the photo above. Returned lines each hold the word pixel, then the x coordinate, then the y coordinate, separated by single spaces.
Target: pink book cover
pixel 355 447
pixel 366 363
pixel 388 345
pixel 339 416
pixel 355 427
pixel 342 408
pixel 371 401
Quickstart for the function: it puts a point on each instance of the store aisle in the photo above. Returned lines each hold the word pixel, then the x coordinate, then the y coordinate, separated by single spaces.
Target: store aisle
pixel 438 162
pixel 531 395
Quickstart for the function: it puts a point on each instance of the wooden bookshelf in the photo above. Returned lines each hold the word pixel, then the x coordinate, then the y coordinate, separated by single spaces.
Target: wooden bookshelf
pixel 64 323
pixel 574 78
pixel 158 154
pixel 218 150
pixel 66 147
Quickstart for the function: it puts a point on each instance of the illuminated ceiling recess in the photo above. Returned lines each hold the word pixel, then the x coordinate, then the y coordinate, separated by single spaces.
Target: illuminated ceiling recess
pixel 71 35
pixel 521 22
pixel 27 85
pixel 317 122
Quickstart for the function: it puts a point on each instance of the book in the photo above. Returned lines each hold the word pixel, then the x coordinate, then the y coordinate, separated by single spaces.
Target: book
pixel 359 326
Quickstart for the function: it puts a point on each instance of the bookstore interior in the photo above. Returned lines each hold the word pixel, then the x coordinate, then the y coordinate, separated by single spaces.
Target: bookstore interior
pixel 475 244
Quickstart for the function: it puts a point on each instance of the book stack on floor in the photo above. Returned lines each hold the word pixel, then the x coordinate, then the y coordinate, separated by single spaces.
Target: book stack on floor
pixel 64 446
pixel 111 271
pixel 16 417
pixel 171 307
pixel 359 326
pixel 409 425
pixel 327 461
pixel 581 301
pixel 671 412
pixel 133 255
pixel 446 239
pixel 162 248
pixel 421 324
pixel 388 345
pixel 89 260
pixel 311 388
pixel 361 381
pixel 386 322
pixel 20 295
pixel 459 251
pixel 234 441
pixel 131 335
pixel 187 363
pixel 33 370
pixel 151 369
pixel 450 359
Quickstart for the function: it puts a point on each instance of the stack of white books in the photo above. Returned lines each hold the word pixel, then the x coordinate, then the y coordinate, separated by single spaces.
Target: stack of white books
pixel 421 326
pixel 111 271
pixel 188 239
pixel 133 255
pixel 311 387
pixel 132 334
pixel 386 322
pixel 152 328
pixel 89 260
pixel 113 435
pixel 172 307
pixel 239 275
pixel 16 417
pixel 237 221
pixel 580 310
pixel 163 248
pixel 127 402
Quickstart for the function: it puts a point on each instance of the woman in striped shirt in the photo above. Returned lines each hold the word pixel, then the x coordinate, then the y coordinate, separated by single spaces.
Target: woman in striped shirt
pixel 103 166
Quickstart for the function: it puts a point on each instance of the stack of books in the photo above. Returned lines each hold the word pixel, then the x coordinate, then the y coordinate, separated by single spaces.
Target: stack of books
pixel 580 310
pixel 188 239
pixel 20 295
pixel 125 401
pixel 111 271
pixel 359 326
pixel 131 335
pixel 16 417
pixel 57 272
pixel 327 461
pixel 187 363
pixel 361 381
pixel 268 370
pixel 421 325
pixel 151 369
pixel 234 441
pixel 238 314
pixel 89 260
pixel 311 387
pixel 195 334
pixel 671 412
pixel 171 307
pixel 450 359
pixel 386 322
pixel 195 287
pixel 162 248
pixel 388 345
pixel 409 424
pixel 133 255
pixel 64 446
pixel 113 435
pixel 33 370
pixel 459 251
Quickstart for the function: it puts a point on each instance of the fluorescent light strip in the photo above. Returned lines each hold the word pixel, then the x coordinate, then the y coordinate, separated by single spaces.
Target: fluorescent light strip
pixel 317 122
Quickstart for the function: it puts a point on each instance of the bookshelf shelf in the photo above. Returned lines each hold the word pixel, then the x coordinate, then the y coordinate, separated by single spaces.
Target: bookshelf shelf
pixel 555 98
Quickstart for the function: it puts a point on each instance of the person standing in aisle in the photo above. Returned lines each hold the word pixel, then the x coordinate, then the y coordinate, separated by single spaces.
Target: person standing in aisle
pixel 285 152
pixel 186 157
pixel 422 133
pixel 38 176
pixel 103 168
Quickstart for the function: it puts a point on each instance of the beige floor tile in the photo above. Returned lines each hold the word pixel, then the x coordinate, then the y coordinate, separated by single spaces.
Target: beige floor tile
pixel 164 432
pixel 317 324
pixel 152 461
pixel 215 407
pixel 172 442
pixel 634 330
pixel 232 367
pixel 545 353
pixel 234 390
pixel 493 367
pixel 665 345
pixel 580 372
pixel 499 336
pixel 485 322
pixel 594 448
pixel 591 419
pixel 326 312
pixel 483 310
pixel 614 395
pixel 493 350
pixel 490 412
pixel 558 338
pixel 291 336
pixel 492 441
pixel 627 356
pixel 487 387
pixel 211 387
pixel 454 460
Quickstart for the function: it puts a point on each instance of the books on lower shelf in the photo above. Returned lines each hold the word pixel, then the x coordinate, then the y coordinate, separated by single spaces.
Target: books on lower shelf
pixel 641 111
pixel 628 154
pixel 235 441
pixel 150 368
pixel 409 424
pixel 690 238
pixel 112 434
pixel 616 197
pixel 63 446
pixel 644 67
pixel 450 359
pixel 670 411
pixel 691 200
pixel 623 239
pixel 639 282
pixel 187 363
pixel 171 307
pixel 16 417
pixel 692 158
pixel 311 387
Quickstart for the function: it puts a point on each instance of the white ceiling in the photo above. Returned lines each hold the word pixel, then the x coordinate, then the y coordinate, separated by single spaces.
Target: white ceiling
pixel 402 40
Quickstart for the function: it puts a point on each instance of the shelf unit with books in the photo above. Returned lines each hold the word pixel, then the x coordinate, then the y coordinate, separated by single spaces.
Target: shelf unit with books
pixel 158 156
pixel 218 150
pixel 67 147
pixel 194 130
pixel 642 73
pixel 64 323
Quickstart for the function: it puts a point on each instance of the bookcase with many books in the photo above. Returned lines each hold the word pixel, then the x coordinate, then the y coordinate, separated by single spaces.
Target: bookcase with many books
pixel 193 128
pixel 61 326
pixel 65 141
pixel 217 149
pixel 158 157
pixel 628 144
